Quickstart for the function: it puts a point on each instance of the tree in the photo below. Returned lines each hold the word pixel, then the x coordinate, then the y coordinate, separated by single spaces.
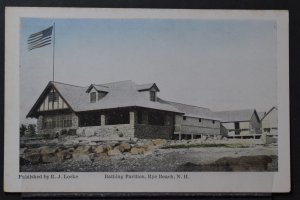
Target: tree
pixel 31 130
pixel 23 128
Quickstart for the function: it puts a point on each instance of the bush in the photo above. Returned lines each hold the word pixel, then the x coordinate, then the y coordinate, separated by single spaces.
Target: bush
pixel 49 135
pixel 64 132
pixel 23 129
pixel 71 132
pixel 31 130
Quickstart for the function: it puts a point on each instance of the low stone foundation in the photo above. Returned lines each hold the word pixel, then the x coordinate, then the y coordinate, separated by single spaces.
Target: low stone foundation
pixel 144 131
pixel 107 131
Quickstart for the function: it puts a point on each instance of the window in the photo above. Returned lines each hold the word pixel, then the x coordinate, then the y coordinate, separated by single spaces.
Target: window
pixel 57 121
pixel 156 118
pixel 268 130
pixel 152 96
pixel 53 96
pixel 93 97
pixel 184 117
pixel 237 128
pixel 199 119
pixel 117 117
pixel 139 117
pixel 67 122
pixel 47 123
pixel 213 121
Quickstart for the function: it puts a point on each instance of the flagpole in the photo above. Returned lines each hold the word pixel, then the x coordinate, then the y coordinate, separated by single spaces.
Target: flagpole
pixel 53 49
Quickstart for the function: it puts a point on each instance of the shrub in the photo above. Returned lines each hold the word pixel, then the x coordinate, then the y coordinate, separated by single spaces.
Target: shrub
pixel 71 132
pixel 31 130
pixel 64 132
pixel 48 136
pixel 23 129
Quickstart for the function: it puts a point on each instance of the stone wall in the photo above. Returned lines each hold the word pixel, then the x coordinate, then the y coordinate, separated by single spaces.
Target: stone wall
pixel 145 131
pixel 124 131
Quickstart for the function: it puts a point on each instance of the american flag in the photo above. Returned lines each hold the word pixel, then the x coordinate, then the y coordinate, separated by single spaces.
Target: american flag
pixel 40 39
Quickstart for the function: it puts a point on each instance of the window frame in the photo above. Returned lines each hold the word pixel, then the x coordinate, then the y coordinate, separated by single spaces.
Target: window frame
pixel 152 96
pixel 93 97
pixel 57 121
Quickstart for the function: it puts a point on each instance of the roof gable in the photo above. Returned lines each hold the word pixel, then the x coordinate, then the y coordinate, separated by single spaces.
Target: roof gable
pixel 261 115
pixel 43 99
pixel 147 87
pixel 273 108
pixel 99 88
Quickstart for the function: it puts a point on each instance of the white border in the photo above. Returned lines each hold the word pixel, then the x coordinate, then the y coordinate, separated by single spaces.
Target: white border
pixel 94 182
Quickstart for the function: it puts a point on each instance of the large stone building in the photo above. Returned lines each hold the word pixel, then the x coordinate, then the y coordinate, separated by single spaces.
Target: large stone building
pixel 119 110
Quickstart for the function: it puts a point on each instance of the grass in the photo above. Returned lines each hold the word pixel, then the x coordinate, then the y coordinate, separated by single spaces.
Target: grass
pixel 180 146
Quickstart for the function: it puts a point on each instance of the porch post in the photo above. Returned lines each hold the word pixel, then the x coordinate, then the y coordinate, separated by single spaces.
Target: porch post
pixel 132 117
pixel 102 120
pixel 75 123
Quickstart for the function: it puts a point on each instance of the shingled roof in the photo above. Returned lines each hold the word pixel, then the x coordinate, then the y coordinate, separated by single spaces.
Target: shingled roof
pixel 128 94
pixel 194 111
pixel 119 94
pixel 236 115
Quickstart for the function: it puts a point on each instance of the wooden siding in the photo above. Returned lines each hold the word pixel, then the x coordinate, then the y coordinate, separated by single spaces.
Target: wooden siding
pixel 192 125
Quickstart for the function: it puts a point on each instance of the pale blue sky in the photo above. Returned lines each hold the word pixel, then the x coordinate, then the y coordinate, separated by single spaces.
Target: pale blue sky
pixel 219 64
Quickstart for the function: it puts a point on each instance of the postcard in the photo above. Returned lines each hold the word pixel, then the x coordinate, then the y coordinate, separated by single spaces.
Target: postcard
pixel 146 100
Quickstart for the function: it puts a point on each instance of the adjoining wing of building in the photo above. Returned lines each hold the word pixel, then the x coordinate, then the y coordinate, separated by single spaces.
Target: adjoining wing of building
pixel 129 110
pixel 240 122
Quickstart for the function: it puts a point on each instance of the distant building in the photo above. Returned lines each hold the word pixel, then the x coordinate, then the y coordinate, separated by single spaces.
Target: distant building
pixel 242 123
pixel 119 109
pixel 261 115
pixel 269 122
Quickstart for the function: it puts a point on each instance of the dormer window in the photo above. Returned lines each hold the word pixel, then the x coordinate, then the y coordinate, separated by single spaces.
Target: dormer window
pixel 152 96
pixel 93 97
pixel 97 92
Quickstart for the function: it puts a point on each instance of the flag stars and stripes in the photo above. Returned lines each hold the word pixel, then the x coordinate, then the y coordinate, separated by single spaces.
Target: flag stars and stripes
pixel 40 39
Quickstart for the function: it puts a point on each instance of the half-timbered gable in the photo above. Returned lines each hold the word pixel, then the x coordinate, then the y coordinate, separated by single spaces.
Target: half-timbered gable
pixel 52 101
